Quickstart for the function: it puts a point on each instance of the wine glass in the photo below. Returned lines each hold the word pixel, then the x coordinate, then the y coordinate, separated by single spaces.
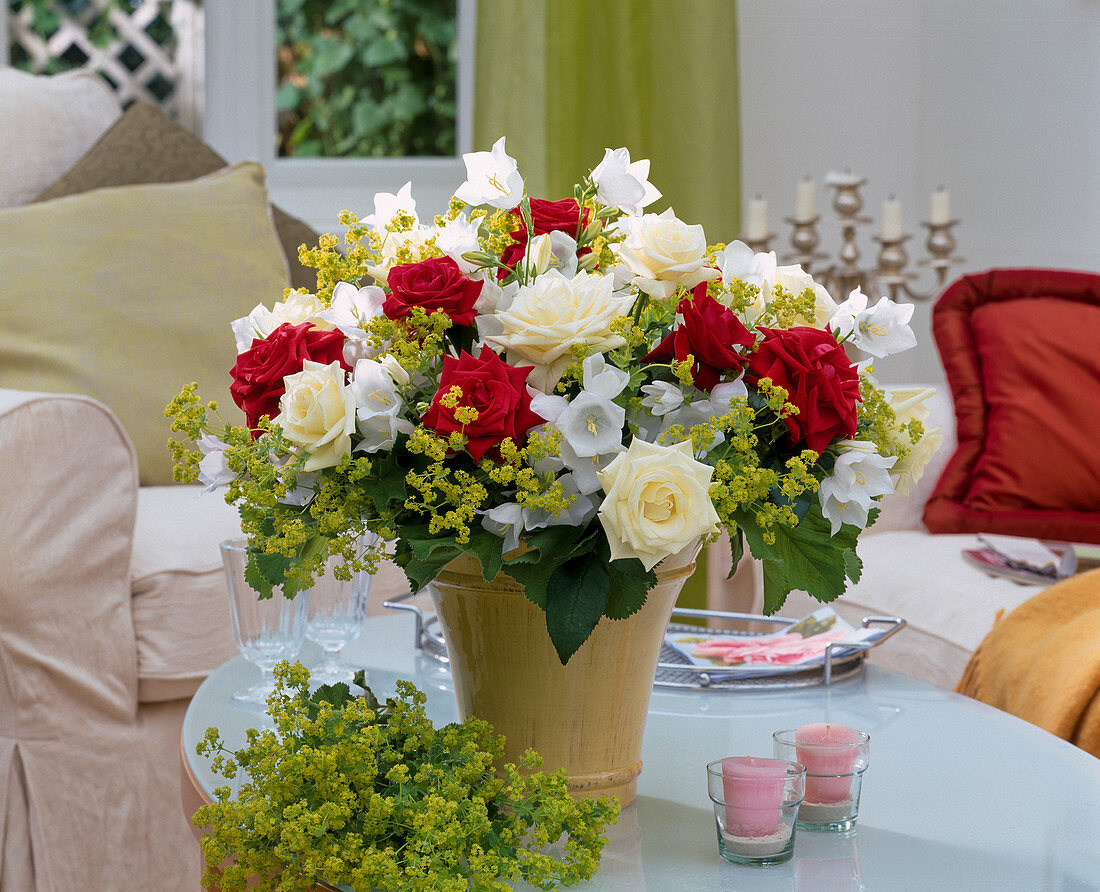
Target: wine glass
pixel 336 612
pixel 267 630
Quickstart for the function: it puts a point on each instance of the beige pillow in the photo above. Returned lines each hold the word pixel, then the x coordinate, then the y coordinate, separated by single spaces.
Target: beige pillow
pixel 49 122
pixel 125 294
pixel 146 146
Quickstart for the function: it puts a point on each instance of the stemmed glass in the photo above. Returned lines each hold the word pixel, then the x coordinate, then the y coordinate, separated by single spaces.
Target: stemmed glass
pixel 336 612
pixel 267 630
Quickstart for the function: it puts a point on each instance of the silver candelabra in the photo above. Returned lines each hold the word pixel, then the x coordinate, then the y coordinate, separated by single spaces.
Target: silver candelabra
pixel 844 273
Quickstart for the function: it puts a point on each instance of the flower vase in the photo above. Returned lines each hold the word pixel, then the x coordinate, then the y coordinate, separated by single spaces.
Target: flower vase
pixel 587 716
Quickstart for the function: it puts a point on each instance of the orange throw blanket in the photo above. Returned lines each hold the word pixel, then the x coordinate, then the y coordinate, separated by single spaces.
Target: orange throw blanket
pixel 1042 662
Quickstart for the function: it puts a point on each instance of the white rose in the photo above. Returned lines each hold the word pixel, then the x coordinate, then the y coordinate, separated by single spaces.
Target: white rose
pixel 317 413
pixel 299 307
pixel 796 280
pixel 547 317
pixel 664 252
pixel 657 501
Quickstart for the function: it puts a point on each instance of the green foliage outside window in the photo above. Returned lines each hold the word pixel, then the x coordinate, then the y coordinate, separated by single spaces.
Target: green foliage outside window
pixel 46 17
pixel 366 78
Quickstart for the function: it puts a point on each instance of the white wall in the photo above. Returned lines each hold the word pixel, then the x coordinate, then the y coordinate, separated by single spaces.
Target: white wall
pixel 999 100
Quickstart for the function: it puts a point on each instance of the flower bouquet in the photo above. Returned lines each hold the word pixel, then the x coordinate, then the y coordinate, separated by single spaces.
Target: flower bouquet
pixel 568 390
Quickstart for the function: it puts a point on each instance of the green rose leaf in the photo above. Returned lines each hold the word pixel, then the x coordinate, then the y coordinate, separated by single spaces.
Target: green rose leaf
pixel 629 583
pixel 535 578
pixel 545 551
pixel 548 543
pixel 575 601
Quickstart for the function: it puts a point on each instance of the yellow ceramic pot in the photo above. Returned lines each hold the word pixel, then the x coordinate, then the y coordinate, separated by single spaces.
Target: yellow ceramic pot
pixel 588 716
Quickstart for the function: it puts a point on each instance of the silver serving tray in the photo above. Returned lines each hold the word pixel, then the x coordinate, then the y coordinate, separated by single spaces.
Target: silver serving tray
pixel 841 661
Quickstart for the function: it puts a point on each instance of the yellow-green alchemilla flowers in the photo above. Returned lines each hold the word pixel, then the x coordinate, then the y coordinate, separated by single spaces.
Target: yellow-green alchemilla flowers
pixel 369 794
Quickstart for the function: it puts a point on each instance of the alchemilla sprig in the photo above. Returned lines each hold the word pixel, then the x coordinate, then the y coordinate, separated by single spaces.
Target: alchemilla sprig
pixel 372 795
pixel 570 390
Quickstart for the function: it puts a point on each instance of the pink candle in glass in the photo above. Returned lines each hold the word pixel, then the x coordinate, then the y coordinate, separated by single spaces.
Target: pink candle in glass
pixel 829 753
pixel 754 794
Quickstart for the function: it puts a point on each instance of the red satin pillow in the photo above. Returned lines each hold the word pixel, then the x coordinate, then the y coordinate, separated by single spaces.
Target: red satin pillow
pixel 1021 349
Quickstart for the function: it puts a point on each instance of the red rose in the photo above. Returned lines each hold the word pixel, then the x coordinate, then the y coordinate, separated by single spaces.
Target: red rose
pixel 436 284
pixel 546 216
pixel 259 371
pixel 492 387
pixel 818 376
pixel 709 332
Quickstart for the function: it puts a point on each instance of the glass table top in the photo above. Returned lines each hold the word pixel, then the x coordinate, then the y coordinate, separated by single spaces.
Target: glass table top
pixel 957 795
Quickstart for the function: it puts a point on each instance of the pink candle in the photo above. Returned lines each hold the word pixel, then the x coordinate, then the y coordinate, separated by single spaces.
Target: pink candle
pixel 753 790
pixel 829 753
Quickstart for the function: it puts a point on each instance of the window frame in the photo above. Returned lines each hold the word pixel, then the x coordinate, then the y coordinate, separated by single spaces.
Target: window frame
pixel 239 122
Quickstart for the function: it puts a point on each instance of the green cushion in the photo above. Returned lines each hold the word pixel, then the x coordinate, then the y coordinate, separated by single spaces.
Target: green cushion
pixel 146 146
pixel 125 294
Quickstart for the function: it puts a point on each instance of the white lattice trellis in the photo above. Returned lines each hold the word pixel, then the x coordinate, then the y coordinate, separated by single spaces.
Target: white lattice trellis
pixel 134 62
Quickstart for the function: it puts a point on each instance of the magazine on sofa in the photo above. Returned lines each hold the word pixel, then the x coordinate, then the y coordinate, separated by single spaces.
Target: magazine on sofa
pixel 798 646
pixel 1031 561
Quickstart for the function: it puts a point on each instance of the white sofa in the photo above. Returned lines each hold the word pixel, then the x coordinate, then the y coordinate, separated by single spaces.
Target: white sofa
pixel 949 604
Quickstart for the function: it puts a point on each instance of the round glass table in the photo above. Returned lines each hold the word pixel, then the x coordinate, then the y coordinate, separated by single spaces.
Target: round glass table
pixel 957 795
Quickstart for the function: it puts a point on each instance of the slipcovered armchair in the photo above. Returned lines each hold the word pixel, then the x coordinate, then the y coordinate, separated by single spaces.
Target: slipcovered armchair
pixel 113 610
pixel 98 655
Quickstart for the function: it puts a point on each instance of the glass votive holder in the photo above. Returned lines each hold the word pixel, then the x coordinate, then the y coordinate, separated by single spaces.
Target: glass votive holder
pixel 835 757
pixel 755 807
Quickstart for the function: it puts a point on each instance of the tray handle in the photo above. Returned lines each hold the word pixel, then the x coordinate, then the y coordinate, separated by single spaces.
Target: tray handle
pixel 895 621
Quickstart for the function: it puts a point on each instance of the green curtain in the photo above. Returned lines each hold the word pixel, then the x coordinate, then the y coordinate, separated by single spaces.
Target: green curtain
pixel 564 79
